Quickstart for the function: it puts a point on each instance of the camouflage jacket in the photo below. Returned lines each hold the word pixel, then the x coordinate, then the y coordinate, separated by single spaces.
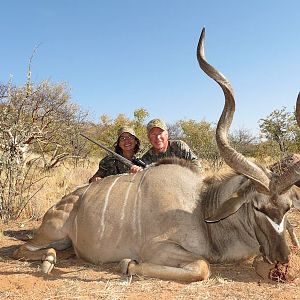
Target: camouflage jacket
pixel 175 148
pixel 109 165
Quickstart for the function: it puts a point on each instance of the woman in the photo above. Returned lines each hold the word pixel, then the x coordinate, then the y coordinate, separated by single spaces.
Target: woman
pixel 127 145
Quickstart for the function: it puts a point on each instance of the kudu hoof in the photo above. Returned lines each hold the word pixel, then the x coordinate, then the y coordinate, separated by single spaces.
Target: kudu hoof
pixel 48 264
pixel 124 265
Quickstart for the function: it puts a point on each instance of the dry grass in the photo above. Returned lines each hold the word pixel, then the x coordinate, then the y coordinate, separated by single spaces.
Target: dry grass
pixel 59 182
pixel 73 278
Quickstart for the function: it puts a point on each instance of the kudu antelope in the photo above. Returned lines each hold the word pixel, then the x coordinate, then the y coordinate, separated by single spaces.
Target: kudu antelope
pixel 170 222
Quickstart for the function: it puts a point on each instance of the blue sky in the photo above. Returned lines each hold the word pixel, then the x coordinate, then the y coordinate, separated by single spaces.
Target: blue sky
pixel 118 56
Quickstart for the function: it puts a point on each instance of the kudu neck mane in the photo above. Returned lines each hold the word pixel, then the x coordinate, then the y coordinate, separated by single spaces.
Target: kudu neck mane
pixel 178 161
pixel 219 188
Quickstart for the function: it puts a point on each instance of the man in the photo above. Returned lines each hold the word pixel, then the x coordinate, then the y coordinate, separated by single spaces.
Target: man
pixel 163 147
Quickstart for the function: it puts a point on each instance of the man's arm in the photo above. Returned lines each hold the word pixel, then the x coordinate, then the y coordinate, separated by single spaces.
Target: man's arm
pixel 184 151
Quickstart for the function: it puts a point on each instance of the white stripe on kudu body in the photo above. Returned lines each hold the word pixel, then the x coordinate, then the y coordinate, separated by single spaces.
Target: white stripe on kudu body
pixel 75 220
pixel 102 225
pixel 137 206
pixel 124 207
pixel 278 228
pixel 126 197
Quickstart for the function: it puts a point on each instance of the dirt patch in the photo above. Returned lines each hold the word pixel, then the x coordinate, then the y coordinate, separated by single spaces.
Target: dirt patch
pixel 73 278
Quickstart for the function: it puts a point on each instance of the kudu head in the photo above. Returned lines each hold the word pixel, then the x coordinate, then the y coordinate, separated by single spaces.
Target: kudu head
pixel 270 195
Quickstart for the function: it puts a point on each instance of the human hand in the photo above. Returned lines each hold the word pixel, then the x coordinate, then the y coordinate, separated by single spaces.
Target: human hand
pixel 94 179
pixel 135 169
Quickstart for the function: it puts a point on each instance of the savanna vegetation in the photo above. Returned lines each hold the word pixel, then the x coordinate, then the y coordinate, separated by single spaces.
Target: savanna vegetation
pixel 42 155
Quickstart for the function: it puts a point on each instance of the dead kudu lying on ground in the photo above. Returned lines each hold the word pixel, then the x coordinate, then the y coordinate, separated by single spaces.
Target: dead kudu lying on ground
pixel 168 221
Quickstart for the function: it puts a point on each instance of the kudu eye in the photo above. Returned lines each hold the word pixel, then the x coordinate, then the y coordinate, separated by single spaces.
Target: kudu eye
pixel 256 208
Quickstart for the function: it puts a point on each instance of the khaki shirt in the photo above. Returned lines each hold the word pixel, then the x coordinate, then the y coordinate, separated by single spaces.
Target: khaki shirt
pixel 175 148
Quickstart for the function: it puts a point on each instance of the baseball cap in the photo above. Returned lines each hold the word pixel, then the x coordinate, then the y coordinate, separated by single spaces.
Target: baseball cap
pixel 156 123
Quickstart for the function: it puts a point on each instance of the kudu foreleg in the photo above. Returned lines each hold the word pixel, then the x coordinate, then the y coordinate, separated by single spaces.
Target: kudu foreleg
pixel 194 271
pixel 292 234
pixel 47 256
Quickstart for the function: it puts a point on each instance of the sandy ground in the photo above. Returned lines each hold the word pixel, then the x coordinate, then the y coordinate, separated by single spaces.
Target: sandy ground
pixel 73 278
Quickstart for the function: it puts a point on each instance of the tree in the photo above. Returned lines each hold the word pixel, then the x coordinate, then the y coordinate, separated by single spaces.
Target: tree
pixel 140 116
pixel 267 152
pixel 200 136
pixel 175 131
pixel 278 127
pixel 243 141
pixel 34 119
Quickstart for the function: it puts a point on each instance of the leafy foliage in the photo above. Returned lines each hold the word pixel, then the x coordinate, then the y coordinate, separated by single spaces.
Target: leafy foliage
pixel 279 127
pixel 243 141
pixel 200 136
pixel 40 126
pixel 40 120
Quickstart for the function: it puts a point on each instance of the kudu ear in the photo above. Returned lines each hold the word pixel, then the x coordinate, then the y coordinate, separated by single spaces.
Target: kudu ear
pixel 296 196
pixel 227 208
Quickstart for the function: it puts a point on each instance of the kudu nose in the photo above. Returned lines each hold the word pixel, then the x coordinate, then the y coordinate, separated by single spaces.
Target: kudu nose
pixel 283 257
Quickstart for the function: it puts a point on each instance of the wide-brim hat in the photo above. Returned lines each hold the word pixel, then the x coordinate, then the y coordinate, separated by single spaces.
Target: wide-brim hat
pixel 156 123
pixel 127 129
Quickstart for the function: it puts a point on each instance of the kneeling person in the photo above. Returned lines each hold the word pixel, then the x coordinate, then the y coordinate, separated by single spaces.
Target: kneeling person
pixel 163 147
pixel 126 145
